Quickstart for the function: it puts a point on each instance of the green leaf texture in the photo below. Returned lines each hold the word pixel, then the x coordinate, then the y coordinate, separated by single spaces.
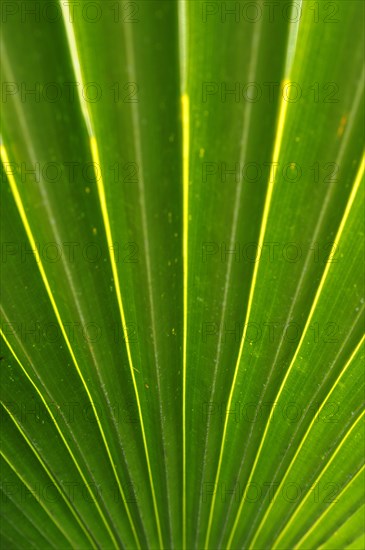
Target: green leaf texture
pixel 182 216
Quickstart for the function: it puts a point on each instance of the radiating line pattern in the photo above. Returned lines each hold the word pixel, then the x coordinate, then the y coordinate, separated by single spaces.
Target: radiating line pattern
pixel 336 206
pixel 304 438
pixel 54 520
pixel 332 458
pixel 50 475
pixel 329 508
pixel 246 123
pixel 354 191
pixel 276 151
pixel 62 436
pixel 104 208
pixel 32 241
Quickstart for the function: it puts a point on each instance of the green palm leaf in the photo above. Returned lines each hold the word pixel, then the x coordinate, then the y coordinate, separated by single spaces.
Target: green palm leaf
pixel 183 274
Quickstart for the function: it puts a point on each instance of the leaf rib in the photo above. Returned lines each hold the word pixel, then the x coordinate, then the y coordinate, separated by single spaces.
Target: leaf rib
pixel 186 133
pixel 185 116
pixel 348 518
pixel 31 239
pixel 253 524
pixel 304 438
pixel 4 519
pixel 313 307
pixel 102 198
pixel 78 467
pixel 323 471
pixel 21 210
pixel 105 215
pixel 265 216
pixel 255 46
pixel 52 478
pixel 143 209
pixel 331 505
pixel 30 236
pixel 49 513
pixel 324 209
